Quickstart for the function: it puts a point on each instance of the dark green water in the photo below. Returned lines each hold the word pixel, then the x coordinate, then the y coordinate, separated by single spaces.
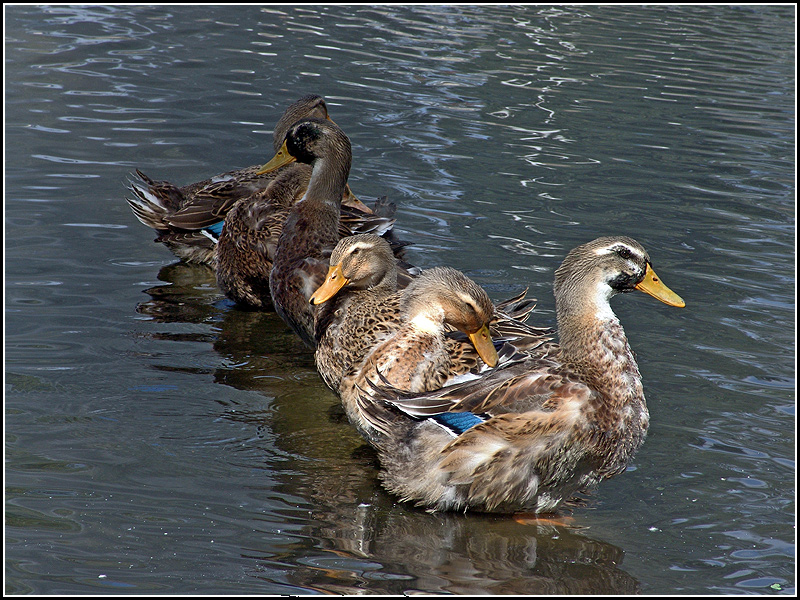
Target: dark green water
pixel 158 440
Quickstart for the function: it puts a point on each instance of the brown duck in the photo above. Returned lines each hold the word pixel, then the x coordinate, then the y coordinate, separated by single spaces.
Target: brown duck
pixel 360 306
pixel 527 435
pixel 312 227
pixel 189 219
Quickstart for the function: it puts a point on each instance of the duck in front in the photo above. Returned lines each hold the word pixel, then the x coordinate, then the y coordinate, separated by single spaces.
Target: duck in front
pixel 527 435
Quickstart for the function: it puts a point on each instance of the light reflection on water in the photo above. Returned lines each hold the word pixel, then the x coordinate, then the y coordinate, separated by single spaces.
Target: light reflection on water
pixel 160 439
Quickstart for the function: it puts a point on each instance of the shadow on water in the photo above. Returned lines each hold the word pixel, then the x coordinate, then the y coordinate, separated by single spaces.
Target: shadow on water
pixel 356 537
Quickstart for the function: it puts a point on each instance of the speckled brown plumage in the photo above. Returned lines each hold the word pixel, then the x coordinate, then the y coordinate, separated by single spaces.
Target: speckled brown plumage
pixel 359 308
pixel 542 425
pixel 311 229
pixel 364 309
pixel 415 356
pixel 249 239
pixel 180 214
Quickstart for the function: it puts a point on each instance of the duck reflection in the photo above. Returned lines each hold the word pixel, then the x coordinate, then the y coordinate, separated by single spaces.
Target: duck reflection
pixel 188 295
pixel 361 539
pixel 420 552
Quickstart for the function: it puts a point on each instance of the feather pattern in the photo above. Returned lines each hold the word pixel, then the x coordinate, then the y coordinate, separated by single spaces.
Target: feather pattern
pixel 545 423
pixel 179 214
pixel 311 229
pixel 360 306
pixel 317 221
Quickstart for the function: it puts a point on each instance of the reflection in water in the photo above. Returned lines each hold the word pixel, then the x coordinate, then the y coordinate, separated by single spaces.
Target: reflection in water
pixel 182 298
pixel 462 554
pixel 360 538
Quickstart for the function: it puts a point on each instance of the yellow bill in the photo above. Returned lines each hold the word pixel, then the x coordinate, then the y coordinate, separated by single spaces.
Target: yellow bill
pixel 652 285
pixel 349 199
pixel 334 281
pixel 280 159
pixel 482 340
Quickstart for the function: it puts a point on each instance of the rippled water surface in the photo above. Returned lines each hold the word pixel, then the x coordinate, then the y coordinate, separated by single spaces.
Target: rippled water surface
pixel 159 439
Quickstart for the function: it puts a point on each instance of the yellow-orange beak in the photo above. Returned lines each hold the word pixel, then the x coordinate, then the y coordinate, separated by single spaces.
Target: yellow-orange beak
pixel 281 158
pixel 334 281
pixel 652 285
pixel 349 199
pixel 482 340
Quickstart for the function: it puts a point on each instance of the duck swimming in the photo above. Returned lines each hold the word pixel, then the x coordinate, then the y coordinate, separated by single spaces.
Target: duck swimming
pixel 416 355
pixel 188 219
pixel 248 243
pixel 528 434
pixel 359 306
pixel 311 229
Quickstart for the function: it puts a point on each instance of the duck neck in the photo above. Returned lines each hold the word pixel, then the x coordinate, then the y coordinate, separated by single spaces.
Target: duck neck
pixel 328 180
pixel 593 342
pixel 315 218
pixel 387 284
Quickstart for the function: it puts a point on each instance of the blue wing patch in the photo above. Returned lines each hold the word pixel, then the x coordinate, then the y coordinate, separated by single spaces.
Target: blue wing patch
pixel 457 422
pixel 216 228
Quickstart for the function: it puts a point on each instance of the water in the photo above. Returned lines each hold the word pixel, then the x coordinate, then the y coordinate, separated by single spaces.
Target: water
pixel 160 440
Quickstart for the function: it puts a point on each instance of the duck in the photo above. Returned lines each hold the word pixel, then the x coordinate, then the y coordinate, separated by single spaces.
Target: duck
pixel 311 229
pixel 528 434
pixel 248 242
pixel 416 356
pixel 189 219
pixel 359 305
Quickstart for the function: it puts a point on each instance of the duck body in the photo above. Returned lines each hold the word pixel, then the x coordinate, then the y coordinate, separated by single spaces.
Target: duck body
pixel 548 436
pixel 541 426
pixel 188 219
pixel 311 229
pixel 417 356
pixel 359 306
pixel 247 244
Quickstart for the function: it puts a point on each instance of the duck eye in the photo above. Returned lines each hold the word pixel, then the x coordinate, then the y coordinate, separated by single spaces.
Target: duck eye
pixel 624 252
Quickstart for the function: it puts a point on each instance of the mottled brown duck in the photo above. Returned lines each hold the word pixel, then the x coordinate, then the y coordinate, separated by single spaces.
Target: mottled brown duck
pixel 525 436
pixel 312 227
pixel 189 219
pixel 360 305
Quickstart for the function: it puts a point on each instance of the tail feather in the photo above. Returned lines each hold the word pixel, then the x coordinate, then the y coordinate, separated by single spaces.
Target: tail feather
pixel 147 209
pixel 154 201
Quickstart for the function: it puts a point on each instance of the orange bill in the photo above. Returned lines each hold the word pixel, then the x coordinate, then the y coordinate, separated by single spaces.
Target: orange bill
pixel 482 340
pixel 334 281
pixel 652 285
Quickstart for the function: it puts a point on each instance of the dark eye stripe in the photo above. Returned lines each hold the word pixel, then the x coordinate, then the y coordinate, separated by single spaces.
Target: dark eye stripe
pixel 624 252
pixel 625 281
